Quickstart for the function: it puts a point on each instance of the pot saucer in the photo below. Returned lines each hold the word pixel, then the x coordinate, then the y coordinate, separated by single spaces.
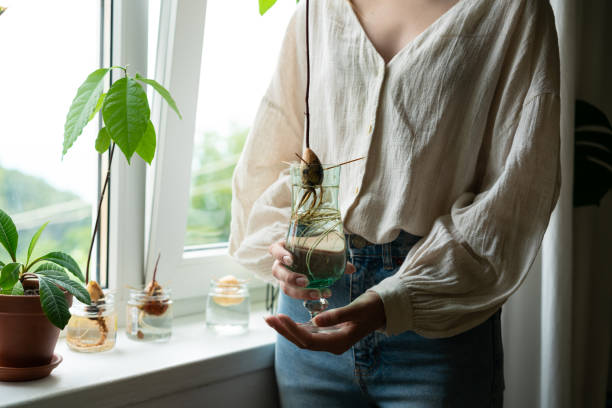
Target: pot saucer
pixel 29 373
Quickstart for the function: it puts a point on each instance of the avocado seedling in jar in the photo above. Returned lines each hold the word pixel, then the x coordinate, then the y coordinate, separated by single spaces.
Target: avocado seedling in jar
pixel 93 327
pixel 149 312
pixel 228 306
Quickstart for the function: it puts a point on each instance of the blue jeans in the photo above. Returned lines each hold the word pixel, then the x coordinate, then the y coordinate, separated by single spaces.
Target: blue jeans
pixel 406 370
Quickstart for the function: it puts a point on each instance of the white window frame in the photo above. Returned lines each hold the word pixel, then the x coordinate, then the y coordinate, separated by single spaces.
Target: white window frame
pixel 127 184
pixel 178 67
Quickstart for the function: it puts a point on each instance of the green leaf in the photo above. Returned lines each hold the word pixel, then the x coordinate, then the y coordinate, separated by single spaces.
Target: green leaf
pixel 17 289
pixel 2 264
pixel 8 234
pixel 64 260
pixel 162 91
pixel 59 276
pixel 102 141
pixel 98 106
pixel 53 302
pixel 126 114
pixel 9 275
pixel 264 5
pixel 146 148
pixel 34 241
pixel 83 106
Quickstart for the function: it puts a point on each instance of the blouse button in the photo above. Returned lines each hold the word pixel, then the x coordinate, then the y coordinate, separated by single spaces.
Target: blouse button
pixel 370 129
pixel 356 190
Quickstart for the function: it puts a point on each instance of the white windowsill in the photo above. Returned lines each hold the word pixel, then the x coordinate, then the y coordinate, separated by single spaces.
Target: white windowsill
pixel 134 371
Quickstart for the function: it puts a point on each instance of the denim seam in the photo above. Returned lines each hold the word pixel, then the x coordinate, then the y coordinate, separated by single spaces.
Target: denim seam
pixel 387 260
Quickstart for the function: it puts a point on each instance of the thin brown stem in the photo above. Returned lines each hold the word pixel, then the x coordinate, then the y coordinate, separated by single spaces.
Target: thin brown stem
pixel 155 269
pixel 307 81
pixel 95 231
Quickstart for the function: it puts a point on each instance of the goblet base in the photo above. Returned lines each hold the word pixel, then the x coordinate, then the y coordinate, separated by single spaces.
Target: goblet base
pixel 311 327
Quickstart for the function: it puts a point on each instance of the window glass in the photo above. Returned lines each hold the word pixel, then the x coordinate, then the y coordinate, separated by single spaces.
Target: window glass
pixel 48 49
pixel 238 59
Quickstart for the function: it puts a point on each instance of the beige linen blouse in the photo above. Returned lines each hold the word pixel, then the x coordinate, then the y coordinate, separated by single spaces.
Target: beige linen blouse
pixel 461 134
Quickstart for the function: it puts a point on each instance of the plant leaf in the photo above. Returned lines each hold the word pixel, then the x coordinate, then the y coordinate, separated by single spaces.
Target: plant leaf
pixel 162 91
pixel 98 106
pixel 83 106
pixel 102 141
pixel 34 241
pixel 17 289
pixel 264 5
pixel 126 114
pixel 2 264
pixel 64 260
pixel 53 302
pixel 9 275
pixel 59 276
pixel 8 234
pixel 146 148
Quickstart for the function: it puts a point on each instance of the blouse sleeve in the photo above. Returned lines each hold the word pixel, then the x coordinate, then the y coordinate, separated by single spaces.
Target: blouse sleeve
pixel 261 201
pixel 476 256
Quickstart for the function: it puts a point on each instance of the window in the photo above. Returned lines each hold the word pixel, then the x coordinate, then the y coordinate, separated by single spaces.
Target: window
pixel 203 49
pixel 40 74
pixel 228 98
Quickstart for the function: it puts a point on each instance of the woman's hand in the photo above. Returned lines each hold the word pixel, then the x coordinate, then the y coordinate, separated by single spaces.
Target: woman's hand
pixel 361 317
pixel 291 283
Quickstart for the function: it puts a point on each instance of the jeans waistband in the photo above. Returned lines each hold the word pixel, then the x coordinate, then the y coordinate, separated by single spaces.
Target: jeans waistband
pixel 398 248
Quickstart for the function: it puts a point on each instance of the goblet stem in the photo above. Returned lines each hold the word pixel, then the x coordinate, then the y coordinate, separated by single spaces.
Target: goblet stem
pixel 315 307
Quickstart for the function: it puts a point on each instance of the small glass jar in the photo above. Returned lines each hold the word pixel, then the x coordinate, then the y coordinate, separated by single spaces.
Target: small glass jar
pixel 228 306
pixel 149 317
pixel 92 328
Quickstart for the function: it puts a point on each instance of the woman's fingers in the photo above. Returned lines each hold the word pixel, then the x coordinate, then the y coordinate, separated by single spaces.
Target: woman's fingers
pixel 293 284
pixel 298 293
pixel 280 327
pixel 280 272
pixel 280 253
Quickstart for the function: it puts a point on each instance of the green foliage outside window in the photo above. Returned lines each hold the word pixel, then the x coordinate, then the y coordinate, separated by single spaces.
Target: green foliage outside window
pixel 215 158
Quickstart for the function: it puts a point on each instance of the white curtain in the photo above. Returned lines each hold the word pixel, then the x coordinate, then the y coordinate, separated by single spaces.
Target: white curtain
pixel 557 326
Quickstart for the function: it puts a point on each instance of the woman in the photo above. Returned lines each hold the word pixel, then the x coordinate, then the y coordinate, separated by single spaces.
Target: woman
pixel 455 105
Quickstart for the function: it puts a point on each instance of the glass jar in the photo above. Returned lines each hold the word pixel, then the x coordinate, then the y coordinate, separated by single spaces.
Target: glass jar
pixel 228 306
pixel 92 328
pixel 149 317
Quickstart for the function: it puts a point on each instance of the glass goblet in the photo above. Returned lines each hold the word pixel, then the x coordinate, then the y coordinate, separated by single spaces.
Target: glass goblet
pixel 316 237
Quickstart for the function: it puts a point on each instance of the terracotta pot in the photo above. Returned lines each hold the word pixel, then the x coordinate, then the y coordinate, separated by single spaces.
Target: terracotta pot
pixel 27 338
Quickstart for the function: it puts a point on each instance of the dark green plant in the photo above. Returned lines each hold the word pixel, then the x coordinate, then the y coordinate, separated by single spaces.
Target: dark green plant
pixel 126 116
pixel 55 271
pixel 592 155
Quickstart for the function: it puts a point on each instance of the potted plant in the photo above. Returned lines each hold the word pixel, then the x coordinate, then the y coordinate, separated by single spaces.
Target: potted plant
pixel 34 299
pixel 592 155
pixel 126 117
pixel 35 295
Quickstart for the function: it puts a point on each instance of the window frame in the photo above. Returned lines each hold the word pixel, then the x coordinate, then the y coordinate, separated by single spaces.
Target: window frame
pixel 129 20
pixel 179 68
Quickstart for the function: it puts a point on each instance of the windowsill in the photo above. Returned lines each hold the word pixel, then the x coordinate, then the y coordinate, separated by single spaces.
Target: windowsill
pixel 133 371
